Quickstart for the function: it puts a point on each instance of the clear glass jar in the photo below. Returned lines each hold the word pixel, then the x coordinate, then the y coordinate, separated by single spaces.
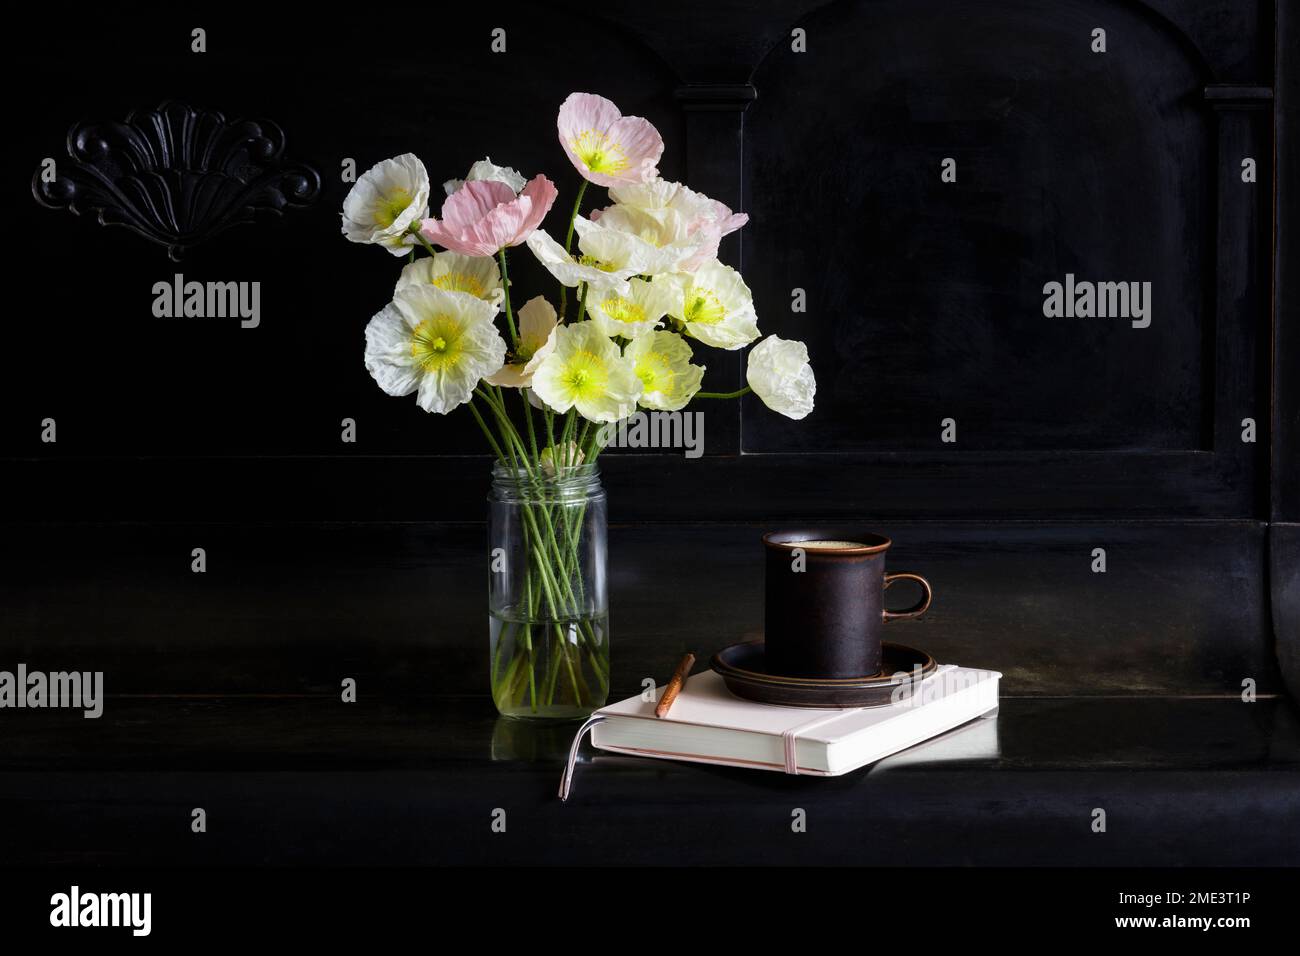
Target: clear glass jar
pixel 548 611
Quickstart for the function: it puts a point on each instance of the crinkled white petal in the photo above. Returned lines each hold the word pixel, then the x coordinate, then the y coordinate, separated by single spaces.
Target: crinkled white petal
pixel 388 352
pixel 779 373
pixel 655 194
pixel 658 239
pixel 572 273
pixel 662 194
pixel 620 254
pixel 699 211
pixel 486 169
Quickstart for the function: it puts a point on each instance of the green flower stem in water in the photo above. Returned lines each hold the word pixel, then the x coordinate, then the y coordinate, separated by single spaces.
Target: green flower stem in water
pixel 561 600
pixel 553 536
pixel 548 588
pixel 572 572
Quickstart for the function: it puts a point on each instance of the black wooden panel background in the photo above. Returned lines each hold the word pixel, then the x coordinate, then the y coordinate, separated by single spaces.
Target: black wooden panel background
pixel 924 298
pixel 924 302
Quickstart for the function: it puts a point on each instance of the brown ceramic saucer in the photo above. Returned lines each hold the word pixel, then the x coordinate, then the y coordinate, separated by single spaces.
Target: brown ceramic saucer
pixel 741 667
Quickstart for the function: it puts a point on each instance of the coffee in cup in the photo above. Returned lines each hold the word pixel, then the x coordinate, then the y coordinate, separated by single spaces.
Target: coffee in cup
pixel 825 602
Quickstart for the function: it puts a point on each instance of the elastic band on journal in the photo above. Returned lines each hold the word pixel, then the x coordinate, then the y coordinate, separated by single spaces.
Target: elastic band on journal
pixel 790 740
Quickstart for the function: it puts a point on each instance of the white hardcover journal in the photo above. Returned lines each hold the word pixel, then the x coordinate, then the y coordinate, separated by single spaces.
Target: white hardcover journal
pixel 708 724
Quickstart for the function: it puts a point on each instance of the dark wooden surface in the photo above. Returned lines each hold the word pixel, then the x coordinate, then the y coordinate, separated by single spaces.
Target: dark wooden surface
pixel 416 781
pixel 1122 691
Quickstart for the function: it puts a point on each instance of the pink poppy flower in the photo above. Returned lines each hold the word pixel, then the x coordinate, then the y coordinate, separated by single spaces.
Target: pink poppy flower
pixel 606 147
pixel 485 216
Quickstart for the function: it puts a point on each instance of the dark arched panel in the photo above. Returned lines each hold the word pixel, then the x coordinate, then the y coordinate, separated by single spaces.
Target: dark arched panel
pixel 925 298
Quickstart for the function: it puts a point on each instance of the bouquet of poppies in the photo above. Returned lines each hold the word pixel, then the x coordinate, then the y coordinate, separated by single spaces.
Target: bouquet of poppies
pixel 639 288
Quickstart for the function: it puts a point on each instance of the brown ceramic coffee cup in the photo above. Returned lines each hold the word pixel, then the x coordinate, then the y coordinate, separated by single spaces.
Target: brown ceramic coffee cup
pixel 825 602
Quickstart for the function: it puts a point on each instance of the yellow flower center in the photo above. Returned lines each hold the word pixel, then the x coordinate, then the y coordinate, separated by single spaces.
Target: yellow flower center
pixel 434 344
pixel 656 373
pixel 391 206
pixel 459 282
pixel 598 152
pixel 585 375
pixel 595 263
pixel 704 307
pixel 622 310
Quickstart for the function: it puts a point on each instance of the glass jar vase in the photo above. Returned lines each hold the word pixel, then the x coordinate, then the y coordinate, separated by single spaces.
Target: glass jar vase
pixel 548 611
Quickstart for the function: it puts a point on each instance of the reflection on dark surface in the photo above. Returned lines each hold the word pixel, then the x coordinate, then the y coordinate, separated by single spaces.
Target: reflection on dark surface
pixel 532 742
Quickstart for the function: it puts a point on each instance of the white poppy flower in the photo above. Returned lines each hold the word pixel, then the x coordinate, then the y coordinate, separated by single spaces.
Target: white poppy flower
pixel 779 373
pixel 633 314
pixel 661 237
pixel 662 361
pixel 605 262
pixel 587 372
pixel 715 306
pixel 486 169
pixel 385 201
pixel 707 220
pixel 696 207
pixel 436 343
pixel 474 275
pixel 537 321
pixel 655 194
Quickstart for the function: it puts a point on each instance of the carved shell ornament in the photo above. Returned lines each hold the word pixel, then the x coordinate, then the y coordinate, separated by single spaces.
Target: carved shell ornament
pixel 177 175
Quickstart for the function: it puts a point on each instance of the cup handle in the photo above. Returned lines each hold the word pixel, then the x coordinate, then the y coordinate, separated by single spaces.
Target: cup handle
pixel 915 610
